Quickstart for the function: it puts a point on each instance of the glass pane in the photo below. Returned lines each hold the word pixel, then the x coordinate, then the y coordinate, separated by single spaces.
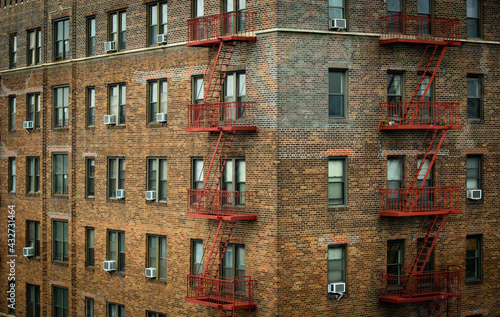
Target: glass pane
pixel 113 102
pixel 393 84
pixel 198 168
pixel 59 230
pixel 473 108
pixel 334 276
pixel 229 6
pixel 90 242
pixel 163 97
pixel 336 83
pixel 336 3
pixel 199 8
pixel 228 257
pixel 472 8
pixel 394 5
pixel 242 5
pixel 153 16
pixel 470 268
pixel 334 253
pixel 335 168
pixel 92 27
pixel 473 87
pixel 164 11
pixel 424 169
pixel 335 190
pixel 472 166
pixel 393 270
pixel 199 89
pixel 472 28
pixel 228 171
pixel 114 23
pixel 394 169
pixel 240 258
pixel 152 251
pixel 424 7
pixel 472 184
pixel 163 169
pixel 229 87
pixel 198 252
pixel 240 171
pixel 336 13
pixel 336 105
pixel 241 84
pixel 472 244
pixel 336 265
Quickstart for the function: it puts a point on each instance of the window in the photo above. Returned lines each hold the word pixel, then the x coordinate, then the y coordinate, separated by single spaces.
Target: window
pixel 157 21
pixel 61 40
pixel 118 29
pixel 117 99
pixel 425 167
pixel 197 176
pixel 35 47
pixel 198 90
pixel 337 93
pixel 61 106
pixel 116 176
pixel 424 9
pixel 198 8
pixel 89 307
pixel 430 262
pixel 116 249
pixel 429 96
pixel 337 185
pixel 336 9
pixel 233 263
pixel 89 259
pixel 157 255
pixel 32 300
pixel 394 7
pixel 337 264
pixel 197 257
pixel 474 93
pixel 12 50
pixel 234 23
pixel 33 113
pixel 153 314
pixel 474 168
pixel 395 258
pixel 473 19
pixel 33 175
pixel 60 241
pixel 473 265
pixel 116 310
pixel 157 177
pixel 394 87
pixel 90 180
pixel 91 36
pixel 157 99
pixel 234 91
pixel 395 172
pixel 90 106
pixel 12 113
pixel 60 174
pixel 234 180
pixel 33 236
pixel 12 174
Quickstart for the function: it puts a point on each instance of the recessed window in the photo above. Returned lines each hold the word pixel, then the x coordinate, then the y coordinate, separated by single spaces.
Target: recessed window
pixel 473 263
pixel 234 91
pixel 394 7
pixel 157 178
pixel 337 264
pixel 157 21
pixel 33 113
pixel 32 300
pixel 198 90
pixel 196 257
pixel 474 97
pixel 395 258
pixel 89 258
pixel 394 87
pixel 473 19
pixel 60 301
pixel 117 101
pixel 61 106
pixel 197 177
pixel 337 185
pixel 429 95
pixel 474 171
pixel 118 29
pixel 115 310
pixel 35 47
pixel 60 174
pixel 157 255
pixel 116 176
pixel 33 237
pixel 90 179
pixel 33 175
pixel 12 174
pixel 91 36
pixel 89 307
pixel 337 94
pixel 157 99
pixel 233 263
pixel 12 50
pixel 90 106
pixel 61 40
pixel 233 179
pixel 116 249
pixel 60 241
pixel 12 113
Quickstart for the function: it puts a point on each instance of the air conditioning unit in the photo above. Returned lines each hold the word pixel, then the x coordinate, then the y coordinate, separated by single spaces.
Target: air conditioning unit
pixel 28 124
pixel 336 288
pixel 338 24
pixel 110 119
pixel 161 38
pixel 474 194
pixel 109 266
pixel 28 251
pixel 161 117
pixel 151 195
pixel 110 46
pixel 150 272
pixel 120 193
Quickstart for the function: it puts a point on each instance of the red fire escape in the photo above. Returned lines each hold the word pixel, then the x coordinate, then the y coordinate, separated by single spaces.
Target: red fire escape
pixel 439 289
pixel 222 120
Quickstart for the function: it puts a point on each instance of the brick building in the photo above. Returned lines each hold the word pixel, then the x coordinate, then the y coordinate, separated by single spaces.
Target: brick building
pixel 356 173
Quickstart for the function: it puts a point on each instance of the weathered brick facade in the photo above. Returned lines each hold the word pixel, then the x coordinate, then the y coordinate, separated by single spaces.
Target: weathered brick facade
pixel 286 159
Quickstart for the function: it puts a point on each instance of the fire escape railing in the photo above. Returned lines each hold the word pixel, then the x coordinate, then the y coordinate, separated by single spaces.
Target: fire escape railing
pixel 220 202
pixel 404 114
pixel 235 23
pixel 221 114
pixel 409 27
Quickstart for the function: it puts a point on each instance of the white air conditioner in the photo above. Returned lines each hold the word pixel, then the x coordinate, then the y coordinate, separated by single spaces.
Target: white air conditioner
pixel 337 288
pixel 120 193
pixel 161 117
pixel 338 24
pixel 150 272
pixel 110 46
pixel 109 266
pixel 161 38
pixel 151 195
pixel 28 124
pixel 110 119
pixel 474 194
pixel 28 251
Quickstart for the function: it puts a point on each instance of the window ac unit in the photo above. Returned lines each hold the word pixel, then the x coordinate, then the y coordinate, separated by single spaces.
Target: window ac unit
pixel 28 251
pixel 151 195
pixel 109 266
pixel 474 194
pixel 161 38
pixel 110 119
pixel 338 24
pixel 120 193
pixel 28 124
pixel 150 272
pixel 110 46
pixel 336 288
pixel 161 117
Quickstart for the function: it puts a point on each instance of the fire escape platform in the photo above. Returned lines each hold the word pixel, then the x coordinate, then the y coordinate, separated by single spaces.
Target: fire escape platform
pixel 232 217
pixel 419 41
pixel 418 127
pixel 218 129
pixel 221 204
pixel 220 303
pixel 397 299
pixel 230 38
pixel 416 212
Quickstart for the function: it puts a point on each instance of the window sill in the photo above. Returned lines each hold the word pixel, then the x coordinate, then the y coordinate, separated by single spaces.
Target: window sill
pixel 470 202
pixel 151 202
pixel 65 264
pixel 91 198
pixel 111 126
pixel 473 282
pixel 331 296
pixel 155 281
pixel 475 121
pixel 90 127
pixel 90 269
pixel 60 129
pixel 36 259
pixel 33 194
pixel 63 196
pixel 115 200
pixel 157 125
pixel 338 119
pixel 338 208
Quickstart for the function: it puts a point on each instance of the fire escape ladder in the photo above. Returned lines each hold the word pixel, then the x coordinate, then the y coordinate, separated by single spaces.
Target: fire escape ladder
pixel 216 249
pixel 218 72
pixel 436 308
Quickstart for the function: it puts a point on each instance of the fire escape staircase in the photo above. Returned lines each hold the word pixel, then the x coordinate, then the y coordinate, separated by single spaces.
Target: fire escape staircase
pixel 438 288
pixel 223 208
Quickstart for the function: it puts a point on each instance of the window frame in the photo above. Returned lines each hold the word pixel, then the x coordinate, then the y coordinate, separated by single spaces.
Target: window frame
pixel 35 114
pixel 54 174
pixel 394 97
pixel 234 263
pixel 65 41
pixel 151 39
pixel 64 107
pixel 89 250
pixel 119 234
pixel 89 307
pixel 121 35
pixel 159 87
pixel 343 247
pixel 12 175
pixel 35 242
pixel 91 40
pixel 90 106
pixel 158 257
pixel 478 259
pixel 479 171
pixel 195 244
pixel 13 49
pixel 32 300
pixel 12 112
pixel 479 20
pixel 479 98
pixel 401 261
pixel 64 242
pixel 89 175
pixel 344 181
pixel 343 8
pixel 121 105
pixel 33 175
pixel 235 183
pixel 119 308
pixel 344 93
pixel 158 180
pixel 118 176
pixel 34 55
pixel 65 307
